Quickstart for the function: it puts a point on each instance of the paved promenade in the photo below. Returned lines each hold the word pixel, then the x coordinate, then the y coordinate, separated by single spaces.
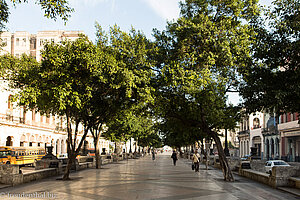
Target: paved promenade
pixel 146 179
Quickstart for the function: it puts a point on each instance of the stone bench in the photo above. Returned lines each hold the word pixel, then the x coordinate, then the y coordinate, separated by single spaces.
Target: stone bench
pixel 295 182
pixel 85 165
pixel 39 174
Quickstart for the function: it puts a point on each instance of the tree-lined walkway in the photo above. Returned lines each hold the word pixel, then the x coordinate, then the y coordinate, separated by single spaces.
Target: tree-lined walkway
pixel 147 179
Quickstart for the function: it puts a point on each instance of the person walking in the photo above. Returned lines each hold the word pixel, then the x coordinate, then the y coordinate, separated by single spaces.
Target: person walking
pixel 196 160
pixel 174 157
pixel 153 154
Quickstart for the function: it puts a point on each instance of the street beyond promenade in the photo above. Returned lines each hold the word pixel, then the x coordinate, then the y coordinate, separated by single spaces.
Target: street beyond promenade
pixel 146 179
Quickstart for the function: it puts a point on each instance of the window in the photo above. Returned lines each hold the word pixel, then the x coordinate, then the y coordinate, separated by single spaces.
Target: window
pixel 256 123
pixel 24 42
pixel 21 144
pixel 17 41
pixel 4 42
pixel 280 163
pixel 30 144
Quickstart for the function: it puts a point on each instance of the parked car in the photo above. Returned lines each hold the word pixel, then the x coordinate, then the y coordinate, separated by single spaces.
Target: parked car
pixel 271 163
pixel 246 157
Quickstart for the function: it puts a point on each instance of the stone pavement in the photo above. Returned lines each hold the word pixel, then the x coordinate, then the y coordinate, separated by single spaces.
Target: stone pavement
pixel 146 179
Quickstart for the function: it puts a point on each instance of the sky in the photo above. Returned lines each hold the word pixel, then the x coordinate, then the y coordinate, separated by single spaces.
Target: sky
pixel 143 15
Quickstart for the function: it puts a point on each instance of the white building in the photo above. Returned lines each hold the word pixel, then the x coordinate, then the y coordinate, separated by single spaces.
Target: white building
pixel 29 128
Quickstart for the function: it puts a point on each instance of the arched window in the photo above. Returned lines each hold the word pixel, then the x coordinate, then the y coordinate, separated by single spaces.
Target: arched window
pixel 256 123
pixel 9 141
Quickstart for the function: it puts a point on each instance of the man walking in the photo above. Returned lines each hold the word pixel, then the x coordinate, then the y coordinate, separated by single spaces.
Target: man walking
pixel 174 157
pixel 196 160
pixel 153 154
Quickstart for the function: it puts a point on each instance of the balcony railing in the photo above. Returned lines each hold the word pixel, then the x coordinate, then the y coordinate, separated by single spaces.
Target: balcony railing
pixel 272 129
pixel 59 128
pixel 11 118
pixel 244 132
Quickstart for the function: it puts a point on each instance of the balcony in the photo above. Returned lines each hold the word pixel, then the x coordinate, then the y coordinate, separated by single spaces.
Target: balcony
pixel 271 129
pixel 60 129
pixel 11 119
pixel 244 132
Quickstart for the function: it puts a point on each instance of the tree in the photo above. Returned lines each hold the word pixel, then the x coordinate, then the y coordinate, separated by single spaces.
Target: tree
pixel 61 84
pixel 199 56
pixel 52 8
pixel 272 81
pixel 125 68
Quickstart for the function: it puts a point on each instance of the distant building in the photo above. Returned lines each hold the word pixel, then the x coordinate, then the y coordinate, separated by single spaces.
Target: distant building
pixel 289 129
pixel 271 138
pixel 244 136
pixel 22 42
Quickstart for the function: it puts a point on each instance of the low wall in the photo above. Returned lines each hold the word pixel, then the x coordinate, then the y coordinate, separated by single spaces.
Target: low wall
pixel 280 176
pixel 294 182
pixel 258 165
pixel 255 175
pixel 233 163
pixel 10 174
pixel 39 174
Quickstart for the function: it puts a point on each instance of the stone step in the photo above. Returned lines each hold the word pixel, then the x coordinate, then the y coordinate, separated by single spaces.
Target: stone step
pixel 294 191
pixel 3 186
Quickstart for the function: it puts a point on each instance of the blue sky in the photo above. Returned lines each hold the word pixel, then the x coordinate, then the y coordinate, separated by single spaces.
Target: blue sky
pixel 141 14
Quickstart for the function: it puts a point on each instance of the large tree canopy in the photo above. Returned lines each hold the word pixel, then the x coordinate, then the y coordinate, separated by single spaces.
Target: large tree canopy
pixel 127 71
pixel 272 81
pixel 200 55
pixel 61 84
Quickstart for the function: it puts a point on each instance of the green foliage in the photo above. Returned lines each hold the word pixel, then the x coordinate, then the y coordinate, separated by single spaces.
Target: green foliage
pixel 62 82
pixel 199 56
pixel 130 89
pixel 272 81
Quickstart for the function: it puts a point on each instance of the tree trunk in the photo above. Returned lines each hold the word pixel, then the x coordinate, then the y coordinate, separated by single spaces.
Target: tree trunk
pixel 68 168
pixel 97 153
pixel 223 160
pixel 72 151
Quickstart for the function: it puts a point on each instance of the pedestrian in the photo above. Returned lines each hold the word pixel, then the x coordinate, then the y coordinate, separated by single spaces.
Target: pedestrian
pixel 196 160
pixel 153 154
pixel 174 157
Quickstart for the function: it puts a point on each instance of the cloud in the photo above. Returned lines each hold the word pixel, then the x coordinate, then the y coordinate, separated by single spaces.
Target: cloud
pixel 167 9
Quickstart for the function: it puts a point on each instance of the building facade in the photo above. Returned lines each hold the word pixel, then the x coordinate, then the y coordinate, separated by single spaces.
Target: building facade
pixel 21 127
pixel 289 130
pixel 244 137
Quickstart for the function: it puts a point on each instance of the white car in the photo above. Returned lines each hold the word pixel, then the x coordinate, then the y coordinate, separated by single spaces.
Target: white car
pixel 271 163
